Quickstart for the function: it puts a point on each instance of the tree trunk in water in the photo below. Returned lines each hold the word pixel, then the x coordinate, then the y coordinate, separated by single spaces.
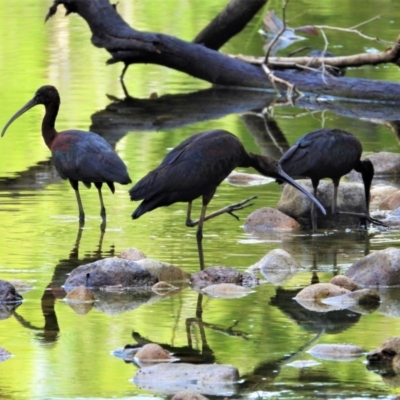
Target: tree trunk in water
pixel 229 22
pixel 129 46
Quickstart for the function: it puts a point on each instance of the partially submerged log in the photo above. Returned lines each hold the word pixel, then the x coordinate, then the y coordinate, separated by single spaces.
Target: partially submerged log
pixel 130 46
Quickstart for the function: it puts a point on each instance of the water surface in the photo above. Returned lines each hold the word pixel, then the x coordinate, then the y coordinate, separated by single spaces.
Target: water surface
pixel 61 354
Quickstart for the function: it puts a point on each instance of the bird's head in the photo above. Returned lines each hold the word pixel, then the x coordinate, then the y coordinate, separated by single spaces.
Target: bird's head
pixel 45 95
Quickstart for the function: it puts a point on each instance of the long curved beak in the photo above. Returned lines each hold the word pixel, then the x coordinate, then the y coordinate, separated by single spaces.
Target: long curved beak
pixel 21 111
pixel 286 178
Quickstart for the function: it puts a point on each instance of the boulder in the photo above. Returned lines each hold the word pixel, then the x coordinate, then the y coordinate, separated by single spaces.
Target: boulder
pixel 221 274
pixel 132 254
pixel 8 294
pixel 186 395
pixel 351 198
pixel 164 271
pixel 226 291
pixel 336 352
pixel 109 272
pixel 381 268
pixel 320 291
pixel 277 266
pixel 345 282
pixel 385 163
pixel 267 218
pixel 379 193
pixel 168 379
pixel 243 179
pixel 390 202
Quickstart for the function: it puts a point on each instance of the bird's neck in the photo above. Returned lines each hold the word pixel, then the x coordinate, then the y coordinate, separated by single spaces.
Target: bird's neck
pixel 48 130
pixel 264 165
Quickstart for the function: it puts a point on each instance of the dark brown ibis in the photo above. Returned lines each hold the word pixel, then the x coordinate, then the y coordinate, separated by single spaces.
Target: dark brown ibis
pixel 194 169
pixel 78 156
pixel 329 153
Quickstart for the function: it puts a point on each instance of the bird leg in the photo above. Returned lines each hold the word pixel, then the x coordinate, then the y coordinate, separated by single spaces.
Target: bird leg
pixel 199 236
pixel 199 232
pixel 74 185
pixel 313 210
pixel 228 209
pixel 102 208
pixel 363 216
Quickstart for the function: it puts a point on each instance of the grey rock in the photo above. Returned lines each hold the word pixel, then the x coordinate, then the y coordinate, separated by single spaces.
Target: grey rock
pixel 381 268
pixel 115 272
pixel 336 352
pixel 209 379
pixel 267 218
pixel 278 266
pixel 8 294
pixel 221 274
pixel 351 198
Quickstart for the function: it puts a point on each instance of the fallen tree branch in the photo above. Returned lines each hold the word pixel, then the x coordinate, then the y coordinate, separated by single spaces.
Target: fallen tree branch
pixel 127 45
pixel 229 22
pixel 391 55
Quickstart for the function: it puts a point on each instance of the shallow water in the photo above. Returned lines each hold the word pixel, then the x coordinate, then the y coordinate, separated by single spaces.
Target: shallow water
pixel 58 353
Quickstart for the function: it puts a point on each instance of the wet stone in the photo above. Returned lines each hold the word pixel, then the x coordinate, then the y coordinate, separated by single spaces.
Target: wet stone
pixel 4 354
pixel 164 271
pixel 365 300
pixel 381 192
pixel 391 202
pixel 186 395
pixel 385 163
pixel 381 268
pixel 320 291
pixel 8 294
pixel 345 282
pixel 351 198
pixel 336 352
pixel 167 378
pixel 226 291
pixel 215 275
pixel 132 254
pixel 110 272
pixel 277 266
pixel 267 218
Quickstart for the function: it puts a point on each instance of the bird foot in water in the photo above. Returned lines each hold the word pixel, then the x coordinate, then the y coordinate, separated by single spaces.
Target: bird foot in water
pixel 364 218
pixel 239 206
pixel 226 210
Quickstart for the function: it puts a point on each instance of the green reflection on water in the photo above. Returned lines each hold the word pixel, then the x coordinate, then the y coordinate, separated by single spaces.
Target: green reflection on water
pixel 39 226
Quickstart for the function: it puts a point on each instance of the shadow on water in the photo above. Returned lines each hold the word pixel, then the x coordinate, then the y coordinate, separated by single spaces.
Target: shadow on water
pixel 173 111
pixel 54 290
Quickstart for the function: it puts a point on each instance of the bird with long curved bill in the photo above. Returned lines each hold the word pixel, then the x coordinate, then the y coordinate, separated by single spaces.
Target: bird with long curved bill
pixel 195 168
pixel 78 156
pixel 330 153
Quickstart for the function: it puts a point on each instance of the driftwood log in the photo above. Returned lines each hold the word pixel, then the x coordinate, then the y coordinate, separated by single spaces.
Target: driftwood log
pixel 127 45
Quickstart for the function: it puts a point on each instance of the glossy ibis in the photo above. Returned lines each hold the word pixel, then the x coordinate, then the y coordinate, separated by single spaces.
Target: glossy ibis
pixel 195 168
pixel 329 153
pixel 78 156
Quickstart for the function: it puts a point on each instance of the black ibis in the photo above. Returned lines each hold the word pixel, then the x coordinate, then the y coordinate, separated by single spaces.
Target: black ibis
pixel 194 169
pixel 329 153
pixel 78 156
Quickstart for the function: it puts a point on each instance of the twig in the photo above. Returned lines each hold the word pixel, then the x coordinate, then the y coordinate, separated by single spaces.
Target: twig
pixel 276 38
pixel 366 22
pixel 357 32
pixel 274 79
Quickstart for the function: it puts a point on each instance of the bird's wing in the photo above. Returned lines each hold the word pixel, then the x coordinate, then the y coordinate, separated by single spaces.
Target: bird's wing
pixel 184 174
pixel 86 156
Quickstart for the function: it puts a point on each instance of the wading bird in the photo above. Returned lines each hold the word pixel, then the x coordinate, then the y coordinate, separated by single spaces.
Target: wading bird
pixel 194 169
pixel 78 156
pixel 329 153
